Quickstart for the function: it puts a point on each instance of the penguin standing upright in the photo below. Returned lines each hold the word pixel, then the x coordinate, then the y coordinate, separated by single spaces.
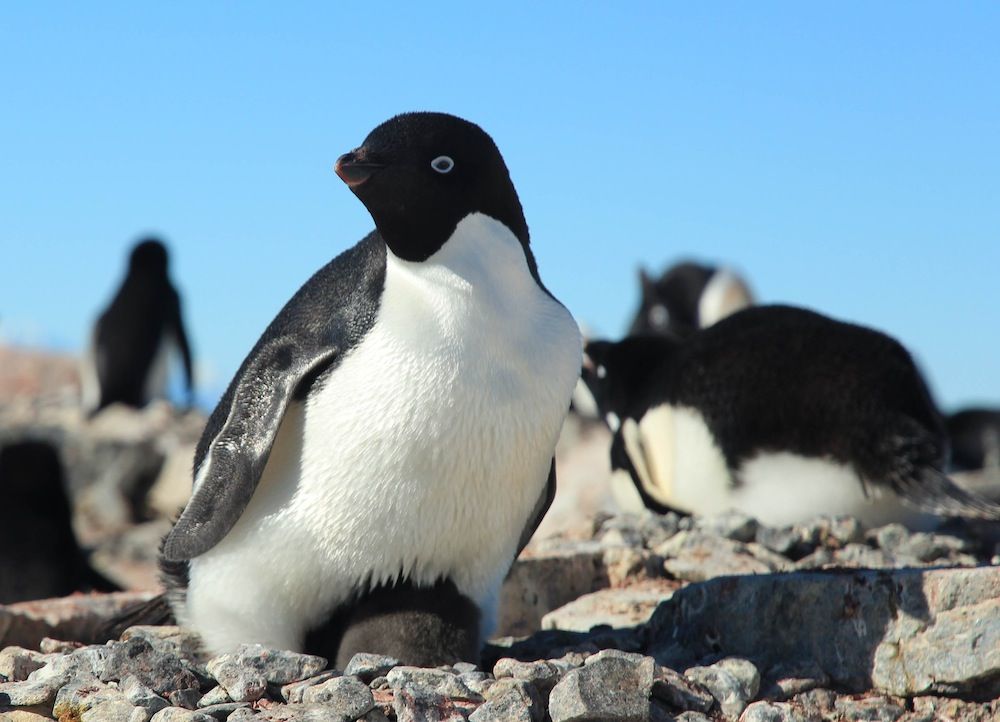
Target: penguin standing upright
pixel 687 297
pixel 386 448
pixel 133 338
pixel 778 412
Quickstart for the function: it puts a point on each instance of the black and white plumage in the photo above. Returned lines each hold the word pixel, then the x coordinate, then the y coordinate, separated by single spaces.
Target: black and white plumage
pixel 779 412
pixel 133 338
pixel 974 434
pixel 686 297
pixel 386 448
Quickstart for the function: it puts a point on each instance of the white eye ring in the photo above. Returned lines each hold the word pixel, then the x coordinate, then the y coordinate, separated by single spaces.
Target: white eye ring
pixel 442 164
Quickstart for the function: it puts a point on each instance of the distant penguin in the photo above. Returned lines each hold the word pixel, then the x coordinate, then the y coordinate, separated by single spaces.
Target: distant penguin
pixel 778 412
pixel 39 554
pixel 975 439
pixel 386 449
pixel 131 343
pixel 687 297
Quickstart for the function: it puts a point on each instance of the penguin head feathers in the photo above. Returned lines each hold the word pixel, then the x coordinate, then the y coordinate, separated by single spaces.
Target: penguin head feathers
pixel 620 375
pixel 148 257
pixel 419 174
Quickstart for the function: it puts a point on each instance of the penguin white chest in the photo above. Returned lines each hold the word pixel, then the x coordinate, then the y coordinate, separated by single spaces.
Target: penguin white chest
pixel 423 452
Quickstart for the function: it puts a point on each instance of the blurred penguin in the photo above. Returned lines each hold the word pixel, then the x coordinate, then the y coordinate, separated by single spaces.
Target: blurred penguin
pixel 779 412
pixel 133 339
pixel 975 439
pixel 687 297
pixel 39 555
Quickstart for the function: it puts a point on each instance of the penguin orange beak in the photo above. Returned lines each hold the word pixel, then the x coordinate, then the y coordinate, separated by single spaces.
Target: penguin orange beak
pixel 355 168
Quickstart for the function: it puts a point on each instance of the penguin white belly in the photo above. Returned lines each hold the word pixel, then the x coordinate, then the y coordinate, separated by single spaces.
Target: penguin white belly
pixel 686 470
pixel 421 455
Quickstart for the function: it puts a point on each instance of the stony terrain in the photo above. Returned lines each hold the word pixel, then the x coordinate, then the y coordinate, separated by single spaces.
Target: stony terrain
pixel 605 617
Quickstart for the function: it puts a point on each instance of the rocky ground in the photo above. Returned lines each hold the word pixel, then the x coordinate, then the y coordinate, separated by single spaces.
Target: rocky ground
pixel 604 617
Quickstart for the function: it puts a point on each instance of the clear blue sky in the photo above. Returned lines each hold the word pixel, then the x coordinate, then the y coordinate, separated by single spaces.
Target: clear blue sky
pixel 844 156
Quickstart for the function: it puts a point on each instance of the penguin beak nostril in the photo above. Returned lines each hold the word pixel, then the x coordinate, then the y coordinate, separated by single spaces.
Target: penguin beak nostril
pixel 355 168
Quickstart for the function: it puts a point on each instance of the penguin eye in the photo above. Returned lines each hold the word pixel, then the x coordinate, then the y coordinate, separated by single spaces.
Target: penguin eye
pixel 442 164
pixel 658 315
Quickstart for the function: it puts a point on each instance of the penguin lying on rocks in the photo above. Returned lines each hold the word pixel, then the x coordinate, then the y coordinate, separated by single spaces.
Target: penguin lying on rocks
pixel 386 448
pixel 779 412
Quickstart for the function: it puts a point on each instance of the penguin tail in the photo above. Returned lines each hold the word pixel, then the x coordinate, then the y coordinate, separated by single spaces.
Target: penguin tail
pixel 931 490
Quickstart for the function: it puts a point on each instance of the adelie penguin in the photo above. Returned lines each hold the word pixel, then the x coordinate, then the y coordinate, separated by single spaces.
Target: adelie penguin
pixel 686 297
pixel 780 413
pixel 975 439
pixel 133 339
pixel 386 448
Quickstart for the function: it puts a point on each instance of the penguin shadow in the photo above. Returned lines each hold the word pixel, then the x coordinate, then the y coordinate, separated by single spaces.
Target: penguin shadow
pixel 832 625
pixel 39 554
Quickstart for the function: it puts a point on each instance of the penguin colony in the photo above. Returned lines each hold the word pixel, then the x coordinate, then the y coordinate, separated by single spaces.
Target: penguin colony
pixel 386 448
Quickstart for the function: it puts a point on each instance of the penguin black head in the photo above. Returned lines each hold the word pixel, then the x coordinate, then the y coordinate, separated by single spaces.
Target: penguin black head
pixel 419 174
pixel 687 297
pixel 149 256
pixel 614 372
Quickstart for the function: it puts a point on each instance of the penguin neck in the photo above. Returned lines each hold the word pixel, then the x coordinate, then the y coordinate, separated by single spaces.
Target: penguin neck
pixel 482 254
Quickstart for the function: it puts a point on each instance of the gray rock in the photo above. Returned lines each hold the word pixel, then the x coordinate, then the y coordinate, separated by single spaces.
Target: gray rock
pixel 612 687
pixel 657 528
pixel 679 693
pixel 477 681
pixel 904 632
pixel 216 695
pixel 223 710
pixel 57 646
pixel 616 607
pixel 80 665
pixel 734 683
pixel 188 697
pixel 696 556
pixel 868 709
pixel 464 667
pixel 276 665
pixel 511 700
pixel 161 671
pixel 733 525
pixel 142 696
pixel 16 663
pixel 542 674
pixel 435 680
pixel 28 693
pixel 421 704
pixel 833 532
pixel 692 717
pixel 179 714
pixel 348 695
pixel 246 673
pixel 785 541
pixel 294 691
pixel 177 641
pixel 555 574
pixel 773 712
pixel 787 680
pixel 97 702
pixel 369 666
pixel 890 537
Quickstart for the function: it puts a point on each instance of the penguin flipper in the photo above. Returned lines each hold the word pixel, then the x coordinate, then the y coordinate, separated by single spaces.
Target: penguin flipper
pixel 541 507
pixel 628 453
pixel 236 457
